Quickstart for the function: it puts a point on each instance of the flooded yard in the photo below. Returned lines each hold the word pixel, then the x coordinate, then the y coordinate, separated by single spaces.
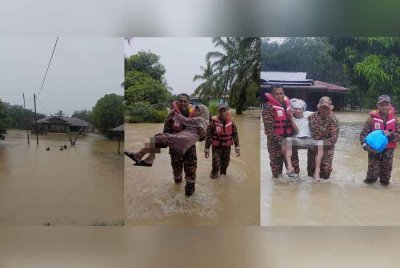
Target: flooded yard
pixel 341 200
pixel 151 196
pixel 81 185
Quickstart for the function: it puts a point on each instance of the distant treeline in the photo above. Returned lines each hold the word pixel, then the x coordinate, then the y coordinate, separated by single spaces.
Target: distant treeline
pixel 105 115
pixel 19 117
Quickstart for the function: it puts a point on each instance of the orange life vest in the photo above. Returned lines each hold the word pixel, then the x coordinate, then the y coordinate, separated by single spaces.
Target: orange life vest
pixel 176 125
pixel 282 124
pixel 222 135
pixel 390 124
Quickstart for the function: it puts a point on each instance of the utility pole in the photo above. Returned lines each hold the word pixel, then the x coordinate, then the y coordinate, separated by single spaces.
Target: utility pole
pixel 27 131
pixel 36 128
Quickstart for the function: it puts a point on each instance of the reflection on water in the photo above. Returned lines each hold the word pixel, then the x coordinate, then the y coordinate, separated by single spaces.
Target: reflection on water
pixel 81 185
pixel 151 196
pixel 343 199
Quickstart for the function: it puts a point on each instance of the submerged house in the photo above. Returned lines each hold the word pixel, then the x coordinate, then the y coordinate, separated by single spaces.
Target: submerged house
pixel 57 124
pixel 296 85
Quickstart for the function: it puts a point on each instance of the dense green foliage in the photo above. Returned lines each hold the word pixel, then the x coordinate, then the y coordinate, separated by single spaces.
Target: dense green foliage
pixel 85 115
pixel 146 92
pixel 231 71
pixel 108 113
pixel 4 120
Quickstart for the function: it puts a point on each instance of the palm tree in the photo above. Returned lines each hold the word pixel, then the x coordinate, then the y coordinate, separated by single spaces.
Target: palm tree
pixel 236 66
pixel 60 114
pixel 247 70
pixel 225 61
pixel 207 88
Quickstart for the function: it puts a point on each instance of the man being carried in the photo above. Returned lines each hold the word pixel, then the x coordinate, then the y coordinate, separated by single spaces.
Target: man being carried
pixel 302 138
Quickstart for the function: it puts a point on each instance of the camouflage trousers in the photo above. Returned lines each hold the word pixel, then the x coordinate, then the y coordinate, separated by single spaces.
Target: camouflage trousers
pixel 220 159
pixel 277 158
pixel 326 163
pixel 184 162
pixel 380 166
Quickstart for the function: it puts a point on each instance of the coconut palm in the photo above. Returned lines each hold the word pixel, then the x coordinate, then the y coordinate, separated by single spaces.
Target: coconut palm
pixel 236 65
pixel 207 88
pixel 224 61
pixel 247 71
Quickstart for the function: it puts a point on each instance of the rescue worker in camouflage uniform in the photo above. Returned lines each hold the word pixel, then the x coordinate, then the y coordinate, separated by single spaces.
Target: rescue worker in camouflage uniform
pixel 324 125
pixel 380 164
pixel 221 135
pixel 277 125
pixel 187 161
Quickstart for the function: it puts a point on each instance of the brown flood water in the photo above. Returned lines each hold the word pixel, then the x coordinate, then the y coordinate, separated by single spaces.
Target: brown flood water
pixel 341 200
pixel 151 196
pixel 82 185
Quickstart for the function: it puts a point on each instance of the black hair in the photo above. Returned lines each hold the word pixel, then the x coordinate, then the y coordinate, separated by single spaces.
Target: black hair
pixel 183 94
pixel 275 86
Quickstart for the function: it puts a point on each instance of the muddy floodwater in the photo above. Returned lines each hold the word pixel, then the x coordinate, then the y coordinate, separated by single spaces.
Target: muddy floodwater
pixel 82 185
pixel 151 196
pixel 341 200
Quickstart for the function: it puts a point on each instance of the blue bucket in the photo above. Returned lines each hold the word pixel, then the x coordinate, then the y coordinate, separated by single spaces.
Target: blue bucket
pixel 377 140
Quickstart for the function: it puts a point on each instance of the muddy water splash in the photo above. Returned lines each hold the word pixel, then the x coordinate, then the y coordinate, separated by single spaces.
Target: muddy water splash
pixel 341 200
pixel 152 197
pixel 81 185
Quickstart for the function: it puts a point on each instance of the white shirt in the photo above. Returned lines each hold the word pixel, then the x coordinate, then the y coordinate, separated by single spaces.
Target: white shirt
pixel 302 125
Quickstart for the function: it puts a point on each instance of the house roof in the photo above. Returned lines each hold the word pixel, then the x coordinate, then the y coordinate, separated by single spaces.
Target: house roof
pixel 72 121
pixel 119 128
pixel 298 81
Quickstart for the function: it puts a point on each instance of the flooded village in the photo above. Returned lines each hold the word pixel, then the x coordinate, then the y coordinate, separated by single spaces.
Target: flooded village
pixel 60 160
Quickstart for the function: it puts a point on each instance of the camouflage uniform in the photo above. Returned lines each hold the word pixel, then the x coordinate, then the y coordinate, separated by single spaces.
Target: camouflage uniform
pixel 379 165
pixel 274 144
pixel 180 162
pixel 221 155
pixel 326 129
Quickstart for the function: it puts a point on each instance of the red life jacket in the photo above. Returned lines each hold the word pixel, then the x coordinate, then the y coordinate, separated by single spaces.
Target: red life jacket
pixel 390 124
pixel 222 135
pixel 176 125
pixel 281 118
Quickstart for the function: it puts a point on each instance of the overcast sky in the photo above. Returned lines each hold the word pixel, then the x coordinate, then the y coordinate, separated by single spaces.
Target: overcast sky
pixel 182 58
pixel 82 71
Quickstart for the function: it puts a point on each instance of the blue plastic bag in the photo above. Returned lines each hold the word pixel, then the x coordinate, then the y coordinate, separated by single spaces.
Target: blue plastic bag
pixel 377 140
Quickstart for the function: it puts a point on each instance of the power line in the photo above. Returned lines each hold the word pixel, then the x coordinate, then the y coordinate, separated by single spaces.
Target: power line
pixel 47 70
pixel 43 106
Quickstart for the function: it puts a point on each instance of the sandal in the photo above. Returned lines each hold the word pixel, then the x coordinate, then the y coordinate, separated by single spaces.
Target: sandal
pixel 142 164
pixel 132 156
pixel 292 174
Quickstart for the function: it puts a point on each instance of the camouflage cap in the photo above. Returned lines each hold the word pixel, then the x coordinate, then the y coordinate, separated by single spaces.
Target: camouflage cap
pixel 383 98
pixel 324 101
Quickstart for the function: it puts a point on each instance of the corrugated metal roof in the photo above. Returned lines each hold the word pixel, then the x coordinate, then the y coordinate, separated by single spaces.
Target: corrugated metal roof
pixel 284 76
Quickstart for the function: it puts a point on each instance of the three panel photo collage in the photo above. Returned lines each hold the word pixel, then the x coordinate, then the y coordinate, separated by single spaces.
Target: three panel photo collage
pixel 219 131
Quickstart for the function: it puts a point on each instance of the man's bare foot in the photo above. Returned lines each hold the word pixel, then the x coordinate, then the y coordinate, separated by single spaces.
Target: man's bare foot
pixel 290 172
pixel 316 176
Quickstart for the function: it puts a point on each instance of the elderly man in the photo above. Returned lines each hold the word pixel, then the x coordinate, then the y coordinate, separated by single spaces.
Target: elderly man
pixel 324 126
pixel 277 125
pixel 380 164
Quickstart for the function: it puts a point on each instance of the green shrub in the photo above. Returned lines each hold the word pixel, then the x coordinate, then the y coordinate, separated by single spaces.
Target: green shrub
pixel 158 116
pixel 141 112
pixel 213 108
